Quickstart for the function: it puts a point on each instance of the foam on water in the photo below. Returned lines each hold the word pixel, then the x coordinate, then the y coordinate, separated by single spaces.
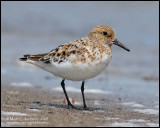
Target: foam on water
pixel 21 84
pixel 124 124
pixel 72 89
pixel 34 110
pixel 133 104
pixel 13 113
pixel 137 120
pixel 13 92
pixel 107 118
pixel 147 111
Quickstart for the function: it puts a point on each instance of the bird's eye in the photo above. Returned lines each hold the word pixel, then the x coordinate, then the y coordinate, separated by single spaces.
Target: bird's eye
pixel 105 33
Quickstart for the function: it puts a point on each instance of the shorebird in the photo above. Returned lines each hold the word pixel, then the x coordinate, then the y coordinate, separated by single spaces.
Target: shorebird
pixel 80 59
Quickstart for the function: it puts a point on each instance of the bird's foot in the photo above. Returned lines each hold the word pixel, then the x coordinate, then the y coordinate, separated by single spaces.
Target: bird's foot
pixel 85 108
pixel 72 106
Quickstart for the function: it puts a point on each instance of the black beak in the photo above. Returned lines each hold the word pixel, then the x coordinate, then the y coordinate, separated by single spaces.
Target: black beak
pixel 116 42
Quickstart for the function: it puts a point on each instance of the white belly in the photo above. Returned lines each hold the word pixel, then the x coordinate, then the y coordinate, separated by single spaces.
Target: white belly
pixel 76 71
pixel 79 71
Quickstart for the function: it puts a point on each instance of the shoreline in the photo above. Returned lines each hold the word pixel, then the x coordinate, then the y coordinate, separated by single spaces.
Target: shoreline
pixel 28 106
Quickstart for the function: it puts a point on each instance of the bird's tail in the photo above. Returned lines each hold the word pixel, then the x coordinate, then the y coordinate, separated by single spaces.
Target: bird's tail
pixel 32 57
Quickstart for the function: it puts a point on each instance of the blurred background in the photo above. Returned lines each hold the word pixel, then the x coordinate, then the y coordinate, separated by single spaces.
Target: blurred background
pixel 38 27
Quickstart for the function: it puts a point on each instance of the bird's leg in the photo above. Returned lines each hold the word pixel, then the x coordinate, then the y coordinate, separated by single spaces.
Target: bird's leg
pixel 82 90
pixel 64 90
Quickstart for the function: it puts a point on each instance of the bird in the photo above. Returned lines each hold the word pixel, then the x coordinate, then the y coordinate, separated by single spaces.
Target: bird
pixel 80 59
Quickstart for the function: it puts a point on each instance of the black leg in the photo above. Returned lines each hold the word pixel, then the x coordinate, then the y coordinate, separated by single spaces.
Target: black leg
pixel 64 90
pixel 82 90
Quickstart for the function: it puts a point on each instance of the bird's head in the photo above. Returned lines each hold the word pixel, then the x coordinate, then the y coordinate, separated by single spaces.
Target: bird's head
pixel 105 34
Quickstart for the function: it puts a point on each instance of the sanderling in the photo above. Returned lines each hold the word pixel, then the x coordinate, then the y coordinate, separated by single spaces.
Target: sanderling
pixel 80 59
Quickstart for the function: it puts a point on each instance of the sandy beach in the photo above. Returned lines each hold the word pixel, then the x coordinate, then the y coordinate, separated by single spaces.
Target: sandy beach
pixel 125 94
pixel 23 106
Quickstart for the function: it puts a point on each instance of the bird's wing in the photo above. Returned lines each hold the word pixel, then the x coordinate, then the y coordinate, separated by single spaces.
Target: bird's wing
pixel 70 52
pixel 66 52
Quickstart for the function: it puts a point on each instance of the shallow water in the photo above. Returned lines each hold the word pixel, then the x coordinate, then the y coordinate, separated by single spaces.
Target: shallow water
pixel 31 27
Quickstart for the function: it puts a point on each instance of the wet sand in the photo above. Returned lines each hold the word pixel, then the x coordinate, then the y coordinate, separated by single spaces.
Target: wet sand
pixel 23 106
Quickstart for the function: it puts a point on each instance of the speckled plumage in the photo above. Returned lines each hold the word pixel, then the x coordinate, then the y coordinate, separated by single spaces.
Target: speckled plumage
pixel 80 59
